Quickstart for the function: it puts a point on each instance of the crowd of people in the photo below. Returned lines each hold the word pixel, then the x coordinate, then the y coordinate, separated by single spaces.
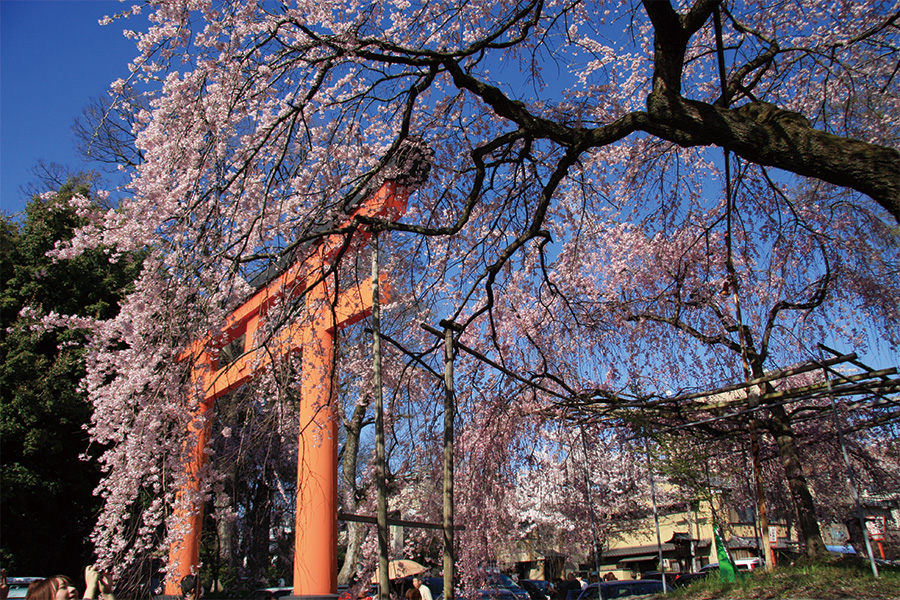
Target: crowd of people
pixel 97 586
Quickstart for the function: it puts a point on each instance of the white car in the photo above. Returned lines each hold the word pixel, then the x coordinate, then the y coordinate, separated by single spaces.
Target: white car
pixel 18 586
pixel 747 564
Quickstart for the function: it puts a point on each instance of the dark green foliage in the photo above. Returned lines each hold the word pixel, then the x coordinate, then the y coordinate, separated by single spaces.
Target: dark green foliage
pixel 47 505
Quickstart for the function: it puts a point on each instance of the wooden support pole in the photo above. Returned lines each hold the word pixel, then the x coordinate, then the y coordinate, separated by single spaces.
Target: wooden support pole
pixel 380 466
pixel 761 505
pixel 449 414
pixel 659 548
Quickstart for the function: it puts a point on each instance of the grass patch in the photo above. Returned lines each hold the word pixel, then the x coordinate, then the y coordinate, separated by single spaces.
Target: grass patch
pixel 838 580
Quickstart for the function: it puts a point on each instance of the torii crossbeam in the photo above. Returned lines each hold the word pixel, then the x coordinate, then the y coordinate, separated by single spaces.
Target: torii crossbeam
pixel 315 534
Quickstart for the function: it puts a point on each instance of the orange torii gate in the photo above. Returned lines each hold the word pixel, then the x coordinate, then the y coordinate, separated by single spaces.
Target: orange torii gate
pixel 315 533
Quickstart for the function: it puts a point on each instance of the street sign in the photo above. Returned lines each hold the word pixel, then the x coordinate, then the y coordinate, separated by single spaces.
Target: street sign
pixel 875 526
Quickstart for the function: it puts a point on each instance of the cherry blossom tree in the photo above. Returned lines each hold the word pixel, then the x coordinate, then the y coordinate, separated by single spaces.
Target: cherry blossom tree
pixel 46 477
pixel 625 198
pixel 580 483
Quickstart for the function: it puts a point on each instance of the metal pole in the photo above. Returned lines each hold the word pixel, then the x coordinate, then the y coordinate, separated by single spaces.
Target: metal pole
pixel 662 569
pixel 449 413
pixel 851 478
pixel 380 468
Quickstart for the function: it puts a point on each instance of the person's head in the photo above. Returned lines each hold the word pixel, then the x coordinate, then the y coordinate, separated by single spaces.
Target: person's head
pixel 189 587
pixel 417 581
pixel 59 587
pixel 42 589
pixel 65 588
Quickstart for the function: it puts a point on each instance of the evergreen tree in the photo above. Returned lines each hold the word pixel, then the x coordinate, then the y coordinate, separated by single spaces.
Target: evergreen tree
pixel 47 477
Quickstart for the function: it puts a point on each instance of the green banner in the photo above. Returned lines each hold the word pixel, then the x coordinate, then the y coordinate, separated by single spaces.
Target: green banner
pixel 727 569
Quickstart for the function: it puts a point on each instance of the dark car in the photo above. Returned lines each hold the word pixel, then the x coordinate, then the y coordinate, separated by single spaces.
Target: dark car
pixel 495 594
pixel 671 578
pixel 685 579
pixel 501 581
pixel 538 589
pixel 675 580
pixel 623 589
pixel 484 594
pixel 272 593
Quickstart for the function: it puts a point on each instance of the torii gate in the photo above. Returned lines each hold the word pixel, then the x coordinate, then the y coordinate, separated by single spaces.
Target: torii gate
pixel 315 532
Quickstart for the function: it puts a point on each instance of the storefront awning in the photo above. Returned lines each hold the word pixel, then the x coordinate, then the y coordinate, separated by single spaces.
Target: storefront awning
pixel 649 557
pixel 623 553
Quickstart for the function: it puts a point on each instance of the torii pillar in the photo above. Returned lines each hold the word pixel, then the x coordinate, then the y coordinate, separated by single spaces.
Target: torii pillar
pixel 315 534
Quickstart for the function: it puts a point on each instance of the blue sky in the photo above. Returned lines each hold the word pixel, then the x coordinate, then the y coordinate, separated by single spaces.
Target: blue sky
pixel 54 57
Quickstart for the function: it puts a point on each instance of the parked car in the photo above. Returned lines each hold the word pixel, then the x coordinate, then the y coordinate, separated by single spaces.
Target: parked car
pixel 18 586
pixel 497 593
pixel 673 580
pixel 623 589
pixel 684 579
pixel 744 566
pixel 499 580
pixel 713 569
pixel 538 589
pixel 747 564
pixel 272 593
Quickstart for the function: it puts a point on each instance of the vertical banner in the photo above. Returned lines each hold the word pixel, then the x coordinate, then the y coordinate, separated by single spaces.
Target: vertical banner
pixel 727 570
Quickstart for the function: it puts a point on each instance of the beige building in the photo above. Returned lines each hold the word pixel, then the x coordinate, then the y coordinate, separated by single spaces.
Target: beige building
pixel 632 549
pixel 685 542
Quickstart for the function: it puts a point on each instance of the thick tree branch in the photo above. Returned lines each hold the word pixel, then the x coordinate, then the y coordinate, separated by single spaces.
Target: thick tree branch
pixel 764 134
pixel 719 340
pixel 758 132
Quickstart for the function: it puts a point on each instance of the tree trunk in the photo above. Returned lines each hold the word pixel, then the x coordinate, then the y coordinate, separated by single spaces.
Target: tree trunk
pixel 780 428
pixel 225 534
pixel 259 517
pixel 356 532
